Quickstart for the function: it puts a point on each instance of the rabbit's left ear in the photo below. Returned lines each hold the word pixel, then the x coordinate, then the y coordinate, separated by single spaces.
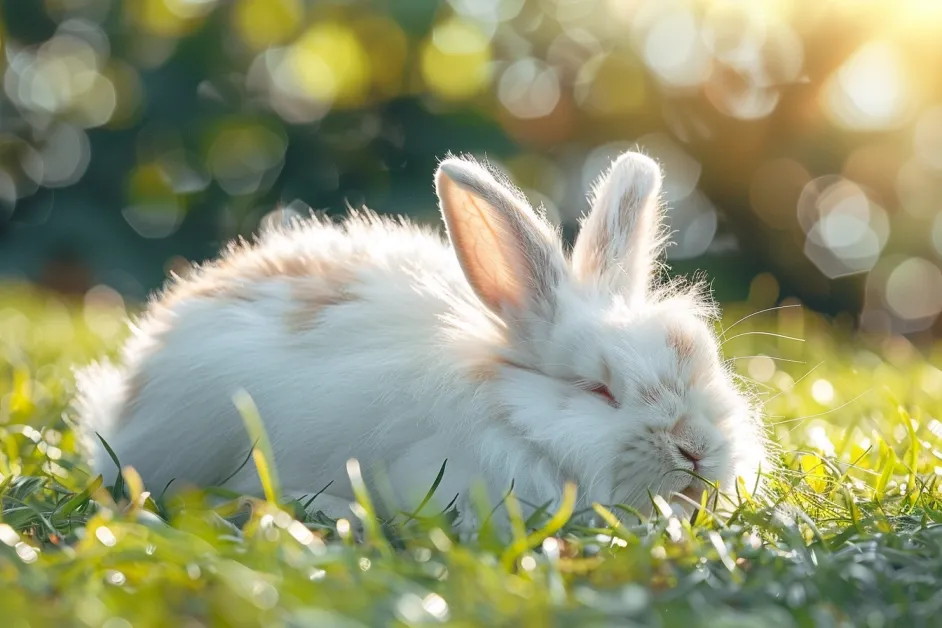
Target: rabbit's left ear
pixel 621 237
pixel 510 256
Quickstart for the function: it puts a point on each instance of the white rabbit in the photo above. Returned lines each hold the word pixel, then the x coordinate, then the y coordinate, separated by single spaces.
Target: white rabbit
pixel 374 339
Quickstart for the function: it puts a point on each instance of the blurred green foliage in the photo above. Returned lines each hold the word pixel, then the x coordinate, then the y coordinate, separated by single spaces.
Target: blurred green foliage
pixel 799 137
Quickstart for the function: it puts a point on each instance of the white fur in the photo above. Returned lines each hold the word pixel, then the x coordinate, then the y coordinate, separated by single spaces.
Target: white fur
pixel 415 366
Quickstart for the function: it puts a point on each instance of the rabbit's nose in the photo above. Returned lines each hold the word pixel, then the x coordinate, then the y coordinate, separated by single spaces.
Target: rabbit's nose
pixel 689 455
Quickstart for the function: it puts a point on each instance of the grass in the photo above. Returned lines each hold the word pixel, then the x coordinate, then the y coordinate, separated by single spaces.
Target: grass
pixel 848 535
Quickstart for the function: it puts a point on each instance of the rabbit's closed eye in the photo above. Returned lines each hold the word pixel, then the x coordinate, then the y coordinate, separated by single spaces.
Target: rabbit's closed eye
pixel 603 391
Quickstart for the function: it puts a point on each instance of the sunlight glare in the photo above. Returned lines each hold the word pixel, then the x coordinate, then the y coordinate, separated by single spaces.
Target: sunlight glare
pixel 823 392
pixel 870 91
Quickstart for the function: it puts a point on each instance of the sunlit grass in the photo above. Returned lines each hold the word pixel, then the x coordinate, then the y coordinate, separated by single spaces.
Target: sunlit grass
pixel 847 532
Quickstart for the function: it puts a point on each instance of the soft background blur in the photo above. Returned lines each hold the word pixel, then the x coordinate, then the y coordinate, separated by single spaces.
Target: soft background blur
pixel 802 139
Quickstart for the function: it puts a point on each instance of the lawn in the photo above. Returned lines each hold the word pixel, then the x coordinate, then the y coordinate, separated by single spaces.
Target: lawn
pixel 847 534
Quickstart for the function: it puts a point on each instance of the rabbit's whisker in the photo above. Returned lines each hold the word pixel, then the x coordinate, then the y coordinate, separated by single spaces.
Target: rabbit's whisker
pixel 761 333
pixel 748 316
pixel 797 381
pixel 820 414
pixel 771 357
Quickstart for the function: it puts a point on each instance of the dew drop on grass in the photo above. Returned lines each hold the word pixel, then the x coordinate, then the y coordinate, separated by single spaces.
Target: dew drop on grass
pixel 32 433
pixel 106 536
pixel 27 553
pixel 674 529
pixel 440 540
pixel 51 452
pixel 116 578
pixel 410 609
pixel 436 606
pixel 822 391
pixel 52 436
pixel 300 533
pixel 53 468
pixel 528 563
pixel 8 535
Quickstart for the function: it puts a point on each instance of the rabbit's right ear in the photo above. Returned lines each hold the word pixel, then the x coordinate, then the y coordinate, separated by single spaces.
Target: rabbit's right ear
pixel 621 237
pixel 510 256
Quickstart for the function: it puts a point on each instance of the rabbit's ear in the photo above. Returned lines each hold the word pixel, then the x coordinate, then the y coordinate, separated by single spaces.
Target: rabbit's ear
pixel 510 256
pixel 621 237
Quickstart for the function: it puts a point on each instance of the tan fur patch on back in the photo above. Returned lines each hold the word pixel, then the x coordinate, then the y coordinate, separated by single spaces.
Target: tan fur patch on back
pixel 234 275
pixel 311 295
pixel 316 282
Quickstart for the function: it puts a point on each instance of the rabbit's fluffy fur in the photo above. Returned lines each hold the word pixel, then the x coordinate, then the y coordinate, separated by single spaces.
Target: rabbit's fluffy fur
pixel 379 340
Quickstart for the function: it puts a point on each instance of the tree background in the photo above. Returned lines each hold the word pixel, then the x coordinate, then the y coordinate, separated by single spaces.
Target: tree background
pixel 802 140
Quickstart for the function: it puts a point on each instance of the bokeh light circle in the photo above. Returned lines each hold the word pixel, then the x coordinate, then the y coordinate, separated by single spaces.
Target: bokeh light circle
pixel 914 290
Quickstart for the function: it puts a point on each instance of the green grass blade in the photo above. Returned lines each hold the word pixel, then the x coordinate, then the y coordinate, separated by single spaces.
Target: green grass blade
pixel 429 494
pixel 371 524
pixel 262 452
pixel 77 500
pixel 523 543
pixel 117 491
